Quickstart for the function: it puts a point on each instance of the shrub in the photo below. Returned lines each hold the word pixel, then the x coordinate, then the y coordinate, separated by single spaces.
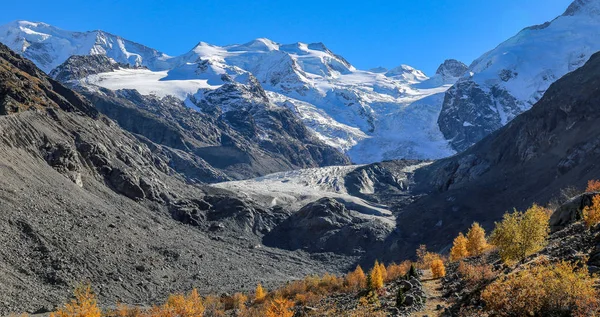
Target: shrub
pixel 259 293
pixel 280 307
pixel 476 275
pixel 356 280
pixel 476 243
pixel 544 290
pixel 213 307
pixel 519 234
pixel 239 301
pixel 438 269
pixel 591 214
pixel 84 304
pixel 459 248
pixel 593 186
pixel 395 271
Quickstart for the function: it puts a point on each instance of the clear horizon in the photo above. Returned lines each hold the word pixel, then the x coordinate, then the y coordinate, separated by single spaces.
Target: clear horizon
pixel 380 34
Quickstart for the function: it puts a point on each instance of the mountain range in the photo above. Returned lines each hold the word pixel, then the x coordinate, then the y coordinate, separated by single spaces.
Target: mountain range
pixel 227 166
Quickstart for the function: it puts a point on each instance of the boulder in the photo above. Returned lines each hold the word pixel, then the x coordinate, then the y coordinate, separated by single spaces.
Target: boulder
pixel 571 211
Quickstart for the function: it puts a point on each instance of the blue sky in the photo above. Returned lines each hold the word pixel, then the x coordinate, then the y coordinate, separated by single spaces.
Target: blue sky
pixel 420 33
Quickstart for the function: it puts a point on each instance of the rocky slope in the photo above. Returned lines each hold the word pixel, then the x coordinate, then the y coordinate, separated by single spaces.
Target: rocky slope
pixel 509 79
pixel 84 200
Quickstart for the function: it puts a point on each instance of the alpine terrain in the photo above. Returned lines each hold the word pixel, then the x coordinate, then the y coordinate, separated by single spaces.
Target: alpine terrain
pixel 278 180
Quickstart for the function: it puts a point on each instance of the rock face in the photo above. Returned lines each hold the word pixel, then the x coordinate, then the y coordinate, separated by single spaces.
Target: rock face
pixel 509 79
pixel 571 211
pixel 552 146
pixel 83 200
pixel 77 67
pixel 328 226
pixel 451 70
pixel 232 132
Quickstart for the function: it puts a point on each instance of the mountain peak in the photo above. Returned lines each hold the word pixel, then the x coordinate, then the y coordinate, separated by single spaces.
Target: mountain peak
pixel 451 68
pixel 583 7
pixel 260 44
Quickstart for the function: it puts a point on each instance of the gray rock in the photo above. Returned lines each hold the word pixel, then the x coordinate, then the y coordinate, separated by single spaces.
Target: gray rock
pixel 571 211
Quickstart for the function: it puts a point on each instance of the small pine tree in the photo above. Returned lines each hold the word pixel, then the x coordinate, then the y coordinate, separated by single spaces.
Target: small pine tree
pixel 413 272
pixel 476 243
pixel 459 248
pixel 259 294
pixel 400 298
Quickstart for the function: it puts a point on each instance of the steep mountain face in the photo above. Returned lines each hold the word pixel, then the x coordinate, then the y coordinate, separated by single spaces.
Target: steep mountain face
pixel 84 200
pixel 48 46
pixel 553 146
pixel 229 132
pixel 512 77
pixel 372 116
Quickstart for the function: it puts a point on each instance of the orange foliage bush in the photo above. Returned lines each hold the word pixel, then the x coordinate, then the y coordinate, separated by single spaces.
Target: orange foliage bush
pixel 84 305
pixel 591 214
pixel 395 271
pixel 593 186
pixel 544 290
pixel 280 307
pixel 356 280
pixel 475 275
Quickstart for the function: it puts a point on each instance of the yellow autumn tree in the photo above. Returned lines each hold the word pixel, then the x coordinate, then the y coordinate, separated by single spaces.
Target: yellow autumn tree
pixel 591 214
pixel 375 277
pixel 438 270
pixel 476 242
pixel 459 248
pixel 84 304
pixel 520 234
pixel 356 280
pixel 383 270
pixel 259 293
pixel 280 307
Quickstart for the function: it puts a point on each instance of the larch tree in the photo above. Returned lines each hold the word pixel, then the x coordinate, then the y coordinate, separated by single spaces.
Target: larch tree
pixel 476 242
pixel 459 248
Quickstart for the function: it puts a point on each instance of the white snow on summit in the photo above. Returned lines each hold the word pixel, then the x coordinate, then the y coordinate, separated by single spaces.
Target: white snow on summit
pixel 49 46
pixel 526 64
pixel 372 115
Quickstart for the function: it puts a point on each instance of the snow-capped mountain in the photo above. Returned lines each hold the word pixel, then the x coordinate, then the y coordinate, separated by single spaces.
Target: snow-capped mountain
pixel 372 115
pixel 48 46
pixel 509 79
